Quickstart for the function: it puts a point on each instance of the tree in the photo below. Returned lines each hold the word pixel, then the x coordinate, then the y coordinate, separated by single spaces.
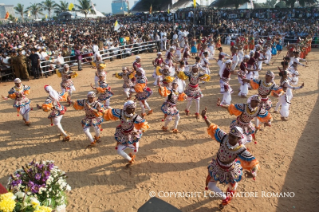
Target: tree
pixel 62 7
pixel 35 9
pixel 20 10
pixel 228 3
pixel 85 7
pixel 48 5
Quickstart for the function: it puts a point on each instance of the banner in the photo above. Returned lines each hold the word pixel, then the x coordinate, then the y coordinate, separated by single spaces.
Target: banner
pixel 7 15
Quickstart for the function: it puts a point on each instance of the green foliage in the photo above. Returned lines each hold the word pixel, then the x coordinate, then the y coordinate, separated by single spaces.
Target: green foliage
pixel 48 5
pixel 85 7
pixel 62 7
pixel 35 10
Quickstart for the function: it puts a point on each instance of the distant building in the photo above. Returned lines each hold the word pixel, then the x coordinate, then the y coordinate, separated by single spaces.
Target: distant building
pixel 6 8
pixel 120 7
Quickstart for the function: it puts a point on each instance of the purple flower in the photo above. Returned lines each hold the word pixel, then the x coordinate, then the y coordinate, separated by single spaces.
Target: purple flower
pixel 18 175
pixel 30 184
pixel 38 176
pixel 16 182
pixel 35 188
pixel 47 173
pixel 50 166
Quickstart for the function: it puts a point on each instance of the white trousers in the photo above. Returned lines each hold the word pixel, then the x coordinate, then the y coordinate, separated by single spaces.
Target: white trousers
pixel 213 187
pixel 189 103
pixel 70 91
pixel 24 111
pixel 127 91
pixel 121 148
pixel 226 98
pixel 234 64
pixel 88 134
pixel 143 107
pixel 57 122
pixel 282 101
pixel 170 118
pixel 243 89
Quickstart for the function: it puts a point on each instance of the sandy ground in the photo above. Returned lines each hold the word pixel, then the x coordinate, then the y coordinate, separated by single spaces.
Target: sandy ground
pixel 287 151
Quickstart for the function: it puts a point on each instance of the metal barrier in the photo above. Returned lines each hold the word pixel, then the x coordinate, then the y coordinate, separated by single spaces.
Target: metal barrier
pixel 106 54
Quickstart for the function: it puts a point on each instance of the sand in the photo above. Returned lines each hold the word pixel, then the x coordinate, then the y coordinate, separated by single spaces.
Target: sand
pixel 287 151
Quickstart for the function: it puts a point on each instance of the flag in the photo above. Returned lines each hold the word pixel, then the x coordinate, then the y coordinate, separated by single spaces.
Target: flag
pixel 116 26
pixel 16 19
pixel 194 3
pixel 71 5
pixel 29 14
pixel 168 9
pixel 151 8
pixel 46 16
pixel 7 15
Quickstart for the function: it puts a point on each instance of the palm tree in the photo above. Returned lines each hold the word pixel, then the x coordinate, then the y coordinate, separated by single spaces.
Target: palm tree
pixel 35 9
pixel 48 5
pixel 19 10
pixel 85 7
pixel 62 7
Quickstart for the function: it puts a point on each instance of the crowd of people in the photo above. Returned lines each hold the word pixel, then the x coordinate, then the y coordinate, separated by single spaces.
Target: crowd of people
pixel 175 77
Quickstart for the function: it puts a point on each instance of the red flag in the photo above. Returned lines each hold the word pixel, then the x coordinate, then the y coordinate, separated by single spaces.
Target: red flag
pixel 7 15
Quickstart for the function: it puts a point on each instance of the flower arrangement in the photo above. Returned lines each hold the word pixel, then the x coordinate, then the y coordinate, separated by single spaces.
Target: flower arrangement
pixel 39 187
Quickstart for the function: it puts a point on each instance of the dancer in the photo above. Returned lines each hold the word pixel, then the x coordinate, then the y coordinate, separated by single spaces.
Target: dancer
pixel 247 112
pixel 225 88
pixel 165 79
pixel 265 88
pixel 226 169
pixel 130 130
pixel 242 74
pixel 181 83
pixel 100 66
pixel 67 84
pixel 104 91
pixel 52 105
pixel 205 63
pixel 142 91
pixel 158 62
pixel 294 74
pixel 93 116
pixel 193 91
pixel 285 98
pixel 19 94
pixel 127 76
pixel 169 106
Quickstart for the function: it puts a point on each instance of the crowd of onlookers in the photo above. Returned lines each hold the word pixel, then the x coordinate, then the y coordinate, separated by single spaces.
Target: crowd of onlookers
pixel 40 48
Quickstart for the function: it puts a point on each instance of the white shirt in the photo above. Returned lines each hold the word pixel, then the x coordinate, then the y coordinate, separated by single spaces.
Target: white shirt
pixel 95 48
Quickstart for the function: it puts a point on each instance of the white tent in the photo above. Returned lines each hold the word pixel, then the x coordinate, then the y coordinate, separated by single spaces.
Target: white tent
pixel 90 15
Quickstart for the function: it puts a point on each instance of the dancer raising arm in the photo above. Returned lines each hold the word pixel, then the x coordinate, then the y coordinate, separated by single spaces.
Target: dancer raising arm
pixel 19 93
pixel 226 169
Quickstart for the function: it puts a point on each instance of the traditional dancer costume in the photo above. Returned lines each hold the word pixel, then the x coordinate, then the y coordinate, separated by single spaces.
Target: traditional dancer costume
pixel 285 97
pixel 181 83
pixel 245 113
pixel 205 63
pixel 104 91
pixel 19 93
pixel 93 116
pixel 52 105
pixel 225 88
pixel 242 74
pixel 169 107
pixel 264 90
pixel 67 84
pixel 158 62
pixel 100 66
pixel 127 76
pixel 294 74
pixel 142 91
pixel 193 91
pixel 228 166
pixel 165 79
pixel 130 130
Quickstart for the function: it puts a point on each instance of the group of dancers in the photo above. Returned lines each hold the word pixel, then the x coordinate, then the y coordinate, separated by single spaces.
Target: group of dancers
pixel 180 82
